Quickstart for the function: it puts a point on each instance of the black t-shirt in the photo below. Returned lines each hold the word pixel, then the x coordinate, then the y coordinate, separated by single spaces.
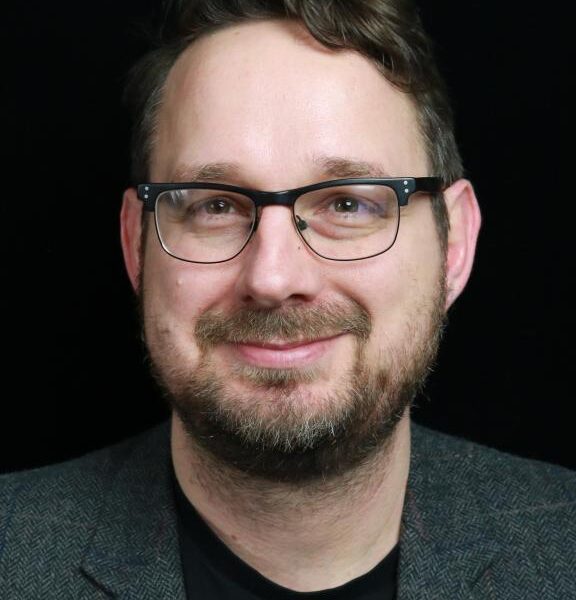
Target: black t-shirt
pixel 213 572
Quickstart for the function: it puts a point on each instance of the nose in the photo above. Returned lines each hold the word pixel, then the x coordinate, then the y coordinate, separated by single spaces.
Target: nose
pixel 278 268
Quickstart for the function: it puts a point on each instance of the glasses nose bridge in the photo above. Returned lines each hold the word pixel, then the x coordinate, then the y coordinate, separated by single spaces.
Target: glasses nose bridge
pixel 284 198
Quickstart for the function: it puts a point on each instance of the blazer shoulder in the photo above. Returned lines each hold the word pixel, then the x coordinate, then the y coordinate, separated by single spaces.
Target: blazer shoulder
pixel 494 479
pixel 482 523
pixel 69 489
pixel 50 514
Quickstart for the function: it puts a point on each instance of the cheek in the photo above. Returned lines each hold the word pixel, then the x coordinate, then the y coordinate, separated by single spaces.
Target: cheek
pixel 175 295
pixel 399 291
pixel 178 292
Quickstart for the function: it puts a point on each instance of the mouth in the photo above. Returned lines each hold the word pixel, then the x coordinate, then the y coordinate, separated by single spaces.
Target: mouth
pixel 283 354
pixel 285 345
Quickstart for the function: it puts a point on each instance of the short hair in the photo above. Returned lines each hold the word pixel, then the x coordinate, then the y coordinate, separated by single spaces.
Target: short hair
pixel 387 32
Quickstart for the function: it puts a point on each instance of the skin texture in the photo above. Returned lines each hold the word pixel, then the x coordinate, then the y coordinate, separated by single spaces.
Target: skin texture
pixel 271 100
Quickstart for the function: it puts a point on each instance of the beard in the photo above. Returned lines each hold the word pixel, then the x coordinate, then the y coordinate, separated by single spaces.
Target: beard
pixel 282 432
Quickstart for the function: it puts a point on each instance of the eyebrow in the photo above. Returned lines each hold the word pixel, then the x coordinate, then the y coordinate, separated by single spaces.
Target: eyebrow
pixel 205 172
pixel 336 167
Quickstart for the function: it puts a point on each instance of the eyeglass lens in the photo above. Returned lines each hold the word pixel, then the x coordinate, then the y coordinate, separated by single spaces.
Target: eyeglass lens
pixel 340 222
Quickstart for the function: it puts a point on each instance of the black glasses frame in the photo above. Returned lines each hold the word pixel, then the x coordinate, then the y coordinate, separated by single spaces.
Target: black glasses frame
pixel 404 187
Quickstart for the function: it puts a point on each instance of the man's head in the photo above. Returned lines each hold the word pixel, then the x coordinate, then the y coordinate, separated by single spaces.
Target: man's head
pixel 283 364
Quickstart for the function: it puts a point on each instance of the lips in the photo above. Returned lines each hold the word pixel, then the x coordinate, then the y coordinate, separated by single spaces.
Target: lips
pixel 283 354
pixel 284 345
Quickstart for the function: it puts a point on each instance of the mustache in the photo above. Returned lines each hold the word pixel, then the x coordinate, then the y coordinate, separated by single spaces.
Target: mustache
pixel 291 324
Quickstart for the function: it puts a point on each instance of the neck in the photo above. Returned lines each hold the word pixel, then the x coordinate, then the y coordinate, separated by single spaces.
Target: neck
pixel 307 538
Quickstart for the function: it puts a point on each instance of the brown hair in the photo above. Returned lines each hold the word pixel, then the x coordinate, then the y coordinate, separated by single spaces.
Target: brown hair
pixel 388 32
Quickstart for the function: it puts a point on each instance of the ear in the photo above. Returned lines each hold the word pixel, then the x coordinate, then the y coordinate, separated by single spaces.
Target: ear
pixel 465 220
pixel 130 234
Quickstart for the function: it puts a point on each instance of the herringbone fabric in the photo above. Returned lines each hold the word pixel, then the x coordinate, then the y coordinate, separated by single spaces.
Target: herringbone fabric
pixel 477 524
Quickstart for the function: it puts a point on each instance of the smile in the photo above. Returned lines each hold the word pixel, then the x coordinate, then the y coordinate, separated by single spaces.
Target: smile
pixel 279 355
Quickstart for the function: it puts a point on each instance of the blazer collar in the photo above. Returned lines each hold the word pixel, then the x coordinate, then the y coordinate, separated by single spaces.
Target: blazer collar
pixel 134 550
pixel 460 539
pixel 443 557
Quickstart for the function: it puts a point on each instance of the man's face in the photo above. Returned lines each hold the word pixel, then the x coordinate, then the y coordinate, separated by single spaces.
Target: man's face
pixel 287 365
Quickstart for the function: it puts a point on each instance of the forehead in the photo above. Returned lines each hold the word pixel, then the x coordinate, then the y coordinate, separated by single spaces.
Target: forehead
pixel 264 94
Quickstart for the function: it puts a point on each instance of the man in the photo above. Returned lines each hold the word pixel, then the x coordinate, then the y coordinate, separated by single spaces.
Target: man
pixel 298 227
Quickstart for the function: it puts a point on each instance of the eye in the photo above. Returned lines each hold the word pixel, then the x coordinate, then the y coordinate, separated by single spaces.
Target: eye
pixel 218 206
pixel 346 205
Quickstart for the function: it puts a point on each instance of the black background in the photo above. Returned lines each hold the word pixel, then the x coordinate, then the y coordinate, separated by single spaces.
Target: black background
pixel 74 378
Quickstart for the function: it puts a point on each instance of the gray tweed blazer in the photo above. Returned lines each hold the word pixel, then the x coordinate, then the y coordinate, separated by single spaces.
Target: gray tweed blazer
pixel 477 524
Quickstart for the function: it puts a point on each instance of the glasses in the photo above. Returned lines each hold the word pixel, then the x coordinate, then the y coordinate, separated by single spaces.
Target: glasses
pixel 344 219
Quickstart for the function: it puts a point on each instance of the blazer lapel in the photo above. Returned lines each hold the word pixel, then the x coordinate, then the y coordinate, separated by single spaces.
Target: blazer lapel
pixel 134 550
pixel 462 536
pixel 438 561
